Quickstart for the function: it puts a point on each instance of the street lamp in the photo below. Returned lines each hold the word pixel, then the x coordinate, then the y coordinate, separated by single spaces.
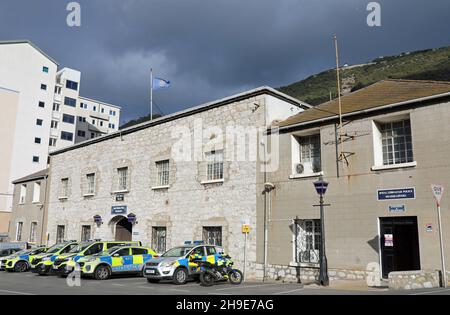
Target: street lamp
pixel 132 218
pixel 321 188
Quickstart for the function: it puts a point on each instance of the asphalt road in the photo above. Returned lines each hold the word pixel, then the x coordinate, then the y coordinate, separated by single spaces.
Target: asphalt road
pixel 32 284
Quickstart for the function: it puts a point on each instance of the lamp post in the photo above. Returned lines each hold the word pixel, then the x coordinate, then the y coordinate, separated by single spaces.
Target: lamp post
pixel 321 188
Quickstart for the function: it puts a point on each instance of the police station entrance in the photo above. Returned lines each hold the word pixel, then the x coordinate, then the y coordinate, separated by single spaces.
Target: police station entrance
pixel 124 230
pixel 399 242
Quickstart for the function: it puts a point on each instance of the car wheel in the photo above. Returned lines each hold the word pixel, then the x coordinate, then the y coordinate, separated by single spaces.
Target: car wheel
pixel 180 276
pixel 102 273
pixel 21 266
pixel 152 280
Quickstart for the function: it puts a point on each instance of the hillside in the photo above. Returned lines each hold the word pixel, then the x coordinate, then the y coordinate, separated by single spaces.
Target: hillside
pixel 432 64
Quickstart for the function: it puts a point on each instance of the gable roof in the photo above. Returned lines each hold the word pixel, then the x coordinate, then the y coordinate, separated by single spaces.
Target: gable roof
pixel 383 93
pixel 35 176
pixel 25 41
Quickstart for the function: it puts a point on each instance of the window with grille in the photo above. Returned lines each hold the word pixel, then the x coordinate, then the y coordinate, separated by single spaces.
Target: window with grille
pixel 397 142
pixel 214 167
pixel 123 178
pixel 64 187
pixel 159 237
pixel 163 172
pixel 310 155
pixel 33 231
pixel 90 184
pixel 19 231
pixel 212 235
pixel 60 233
pixel 308 241
pixel 85 233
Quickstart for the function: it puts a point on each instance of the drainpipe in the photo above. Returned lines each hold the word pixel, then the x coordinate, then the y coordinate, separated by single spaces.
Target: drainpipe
pixel 44 206
pixel 268 187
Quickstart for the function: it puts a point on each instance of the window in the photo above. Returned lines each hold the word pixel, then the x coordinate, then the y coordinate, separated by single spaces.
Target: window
pixel 66 136
pixel 94 249
pixel 112 126
pixel 103 110
pixel 39 122
pixel 112 112
pixel 123 178
pixel 210 250
pixel 54 124
pixel 41 104
pixel 60 233
pixel 83 105
pixel 85 233
pixel 72 85
pixel 70 101
pixel 93 121
pixel 45 69
pixel 163 172
pixel 310 155
pixel 35 159
pixel 159 236
pixel 94 108
pixel 81 119
pixel 101 123
pixel 64 188
pixel 308 241
pixel 23 194
pixel 90 184
pixel 139 251
pixel 52 142
pixel 19 231
pixel 37 192
pixel 44 87
pixel 92 135
pixel 214 168
pixel 81 133
pixel 37 140
pixel 56 107
pixel 33 231
pixel 123 252
pixel 68 119
pixel 212 235
pixel 58 90
pixel 396 142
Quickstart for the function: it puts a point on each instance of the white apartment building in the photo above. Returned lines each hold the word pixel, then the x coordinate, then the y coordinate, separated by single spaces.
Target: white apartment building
pixel 41 110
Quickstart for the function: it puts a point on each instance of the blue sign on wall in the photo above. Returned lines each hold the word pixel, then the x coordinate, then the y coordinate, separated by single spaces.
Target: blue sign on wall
pixel 119 210
pixel 396 193
pixel 397 208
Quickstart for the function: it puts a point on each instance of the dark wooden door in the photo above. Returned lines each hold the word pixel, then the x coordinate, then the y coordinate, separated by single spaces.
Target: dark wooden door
pixel 124 230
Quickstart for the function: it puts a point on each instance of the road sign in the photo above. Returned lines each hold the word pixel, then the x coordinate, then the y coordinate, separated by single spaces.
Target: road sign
pixel 245 228
pixel 438 191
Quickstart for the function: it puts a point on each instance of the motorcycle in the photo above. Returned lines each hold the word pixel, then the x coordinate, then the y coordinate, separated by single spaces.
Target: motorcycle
pixel 221 270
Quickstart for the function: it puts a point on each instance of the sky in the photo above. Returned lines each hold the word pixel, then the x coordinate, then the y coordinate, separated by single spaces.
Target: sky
pixel 211 49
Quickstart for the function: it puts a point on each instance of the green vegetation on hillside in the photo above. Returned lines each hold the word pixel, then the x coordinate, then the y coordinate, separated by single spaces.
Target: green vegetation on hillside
pixel 432 64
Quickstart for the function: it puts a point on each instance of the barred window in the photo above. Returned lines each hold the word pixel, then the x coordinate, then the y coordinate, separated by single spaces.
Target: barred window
pixel 90 183
pixel 397 142
pixel 123 178
pixel 159 236
pixel 212 235
pixel 308 241
pixel 163 172
pixel 33 231
pixel 310 155
pixel 19 231
pixel 214 169
pixel 60 233
pixel 85 233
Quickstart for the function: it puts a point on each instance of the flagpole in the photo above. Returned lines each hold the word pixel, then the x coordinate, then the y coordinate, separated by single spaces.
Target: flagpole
pixel 151 93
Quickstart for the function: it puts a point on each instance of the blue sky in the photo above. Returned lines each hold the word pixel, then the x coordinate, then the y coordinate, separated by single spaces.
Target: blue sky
pixel 211 49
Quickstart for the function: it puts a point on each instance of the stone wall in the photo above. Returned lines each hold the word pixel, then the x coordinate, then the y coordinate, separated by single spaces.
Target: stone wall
pixel 410 280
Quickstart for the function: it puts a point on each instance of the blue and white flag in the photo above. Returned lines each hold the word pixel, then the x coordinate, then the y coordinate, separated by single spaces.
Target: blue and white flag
pixel 159 83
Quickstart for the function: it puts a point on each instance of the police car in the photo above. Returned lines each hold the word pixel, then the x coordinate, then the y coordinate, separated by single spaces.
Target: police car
pixel 65 263
pixel 116 260
pixel 42 263
pixel 177 263
pixel 20 261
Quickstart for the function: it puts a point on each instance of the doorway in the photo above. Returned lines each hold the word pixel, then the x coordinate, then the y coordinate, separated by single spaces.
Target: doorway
pixel 124 230
pixel 399 242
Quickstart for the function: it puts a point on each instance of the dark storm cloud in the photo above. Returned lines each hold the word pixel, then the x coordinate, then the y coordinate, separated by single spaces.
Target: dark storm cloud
pixel 210 49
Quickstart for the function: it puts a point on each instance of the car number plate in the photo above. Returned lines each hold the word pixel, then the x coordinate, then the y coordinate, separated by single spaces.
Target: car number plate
pixel 151 271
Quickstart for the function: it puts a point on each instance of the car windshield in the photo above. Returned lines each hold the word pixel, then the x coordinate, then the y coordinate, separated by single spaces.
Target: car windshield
pixel 177 251
pixel 21 252
pixel 36 251
pixel 55 248
pixel 80 247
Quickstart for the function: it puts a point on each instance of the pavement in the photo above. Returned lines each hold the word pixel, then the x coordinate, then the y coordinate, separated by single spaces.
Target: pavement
pixel 32 284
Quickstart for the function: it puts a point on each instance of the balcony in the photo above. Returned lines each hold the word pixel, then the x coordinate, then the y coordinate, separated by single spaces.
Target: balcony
pixel 99 115
pixel 57 98
pixel 56 115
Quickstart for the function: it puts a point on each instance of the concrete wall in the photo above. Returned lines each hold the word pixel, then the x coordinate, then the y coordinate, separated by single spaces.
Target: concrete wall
pixel 351 222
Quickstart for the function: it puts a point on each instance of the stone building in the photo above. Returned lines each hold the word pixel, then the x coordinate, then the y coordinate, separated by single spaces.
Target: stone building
pixel 382 215
pixel 180 177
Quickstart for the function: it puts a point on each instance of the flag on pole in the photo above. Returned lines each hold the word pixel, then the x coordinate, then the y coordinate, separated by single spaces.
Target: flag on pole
pixel 159 83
